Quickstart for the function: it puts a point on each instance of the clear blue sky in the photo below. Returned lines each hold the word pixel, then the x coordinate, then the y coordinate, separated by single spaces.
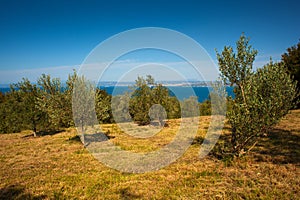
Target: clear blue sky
pixel 54 36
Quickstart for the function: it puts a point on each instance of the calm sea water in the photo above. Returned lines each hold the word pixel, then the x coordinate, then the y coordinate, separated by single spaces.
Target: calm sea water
pixel 4 90
pixel 180 92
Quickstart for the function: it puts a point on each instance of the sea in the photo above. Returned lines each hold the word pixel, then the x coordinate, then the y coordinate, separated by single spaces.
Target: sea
pixel 181 92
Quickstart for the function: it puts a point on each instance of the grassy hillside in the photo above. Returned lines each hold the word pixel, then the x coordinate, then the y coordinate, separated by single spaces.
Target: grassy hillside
pixel 57 166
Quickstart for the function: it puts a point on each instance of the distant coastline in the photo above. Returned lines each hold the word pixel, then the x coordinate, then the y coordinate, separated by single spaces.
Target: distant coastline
pixel 178 90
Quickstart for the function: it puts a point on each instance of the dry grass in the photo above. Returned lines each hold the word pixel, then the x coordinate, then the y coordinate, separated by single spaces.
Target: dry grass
pixel 58 167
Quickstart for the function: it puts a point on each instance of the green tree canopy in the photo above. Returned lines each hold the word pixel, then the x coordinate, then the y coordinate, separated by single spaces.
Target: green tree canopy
pixel 261 98
pixel 291 60
pixel 146 94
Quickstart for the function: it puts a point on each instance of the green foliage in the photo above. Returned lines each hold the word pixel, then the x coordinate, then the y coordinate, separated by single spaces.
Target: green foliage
pixel 43 107
pixel 2 97
pixel 55 102
pixel 147 94
pixel 83 101
pixel 103 106
pixel 291 61
pixel 236 68
pixel 19 110
pixel 32 116
pixel 261 97
pixel 141 102
pixel 11 112
pixel 173 108
pixel 188 107
pixel 120 105
pixel 216 103
pixel 205 108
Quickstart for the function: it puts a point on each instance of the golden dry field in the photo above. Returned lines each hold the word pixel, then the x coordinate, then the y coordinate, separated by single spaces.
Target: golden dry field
pixel 57 166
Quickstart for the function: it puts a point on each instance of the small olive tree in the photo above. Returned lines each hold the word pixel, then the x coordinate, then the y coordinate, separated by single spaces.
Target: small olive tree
pixel 262 97
pixel 83 105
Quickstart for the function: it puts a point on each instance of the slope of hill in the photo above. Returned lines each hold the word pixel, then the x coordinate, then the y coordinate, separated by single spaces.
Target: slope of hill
pixel 57 166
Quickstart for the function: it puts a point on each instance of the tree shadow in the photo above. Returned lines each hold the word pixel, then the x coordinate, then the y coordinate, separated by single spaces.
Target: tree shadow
pixel 43 133
pixel 17 192
pixel 96 137
pixel 91 138
pixel 279 147
pixel 222 149
pixel 75 139
pixel 50 132
pixel 126 194
pixel 198 140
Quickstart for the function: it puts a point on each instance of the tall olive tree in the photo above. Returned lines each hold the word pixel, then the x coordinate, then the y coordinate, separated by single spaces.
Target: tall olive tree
pixel 291 60
pixel 11 111
pixel 83 104
pixel 103 106
pixel 19 110
pixel 141 100
pixel 262 97
pixel 54 102
pixel 32 117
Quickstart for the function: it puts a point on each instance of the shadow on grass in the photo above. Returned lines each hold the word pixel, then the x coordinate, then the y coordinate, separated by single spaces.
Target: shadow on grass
pixel 126 194
pixel 198 140
pixel 75 138
pixel 53 132
pixel 96 137
pixel 44 133
pixel 91 138
pixel 17 192
pixel 280 147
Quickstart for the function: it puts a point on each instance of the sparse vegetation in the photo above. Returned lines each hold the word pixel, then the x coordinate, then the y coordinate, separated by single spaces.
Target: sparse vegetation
pixel 47 105
pixel 56 166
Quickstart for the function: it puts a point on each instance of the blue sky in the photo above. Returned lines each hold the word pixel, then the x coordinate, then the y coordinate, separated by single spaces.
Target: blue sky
pixel 56 36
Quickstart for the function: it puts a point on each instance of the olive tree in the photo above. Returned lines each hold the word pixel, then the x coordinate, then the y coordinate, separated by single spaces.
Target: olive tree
pixel 151 101
pixel 32 117
pixel 103 106
pixel 262 97
pixel 83 105
pixel 54 102
pixel 291 60
pixel 141 101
